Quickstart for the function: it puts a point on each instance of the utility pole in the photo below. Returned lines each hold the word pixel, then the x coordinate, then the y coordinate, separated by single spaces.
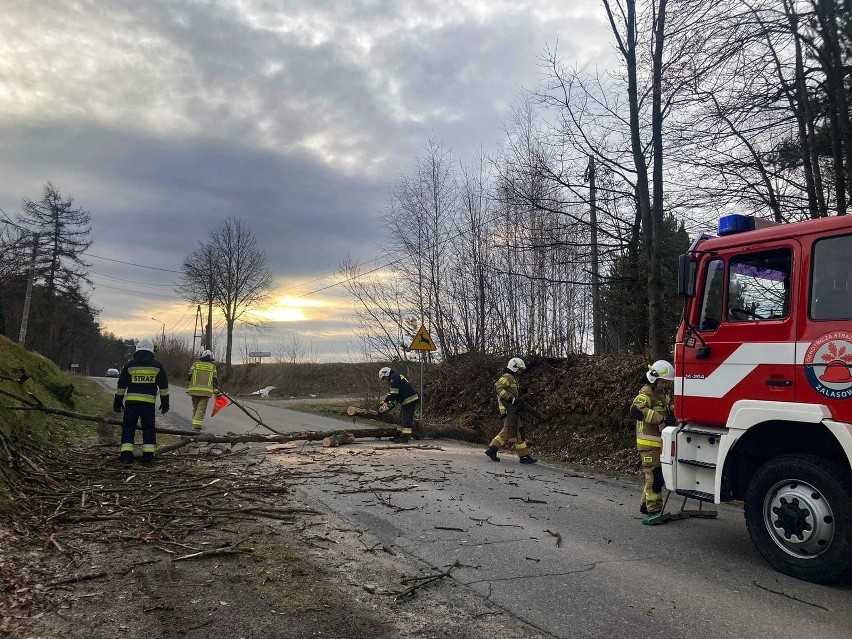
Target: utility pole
pixel 163 338
pixel 209 324
pixel 25 316
pixel 198 324
pixel 593 221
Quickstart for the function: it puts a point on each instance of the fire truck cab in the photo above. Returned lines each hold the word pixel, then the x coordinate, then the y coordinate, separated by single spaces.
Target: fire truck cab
pixel 763 388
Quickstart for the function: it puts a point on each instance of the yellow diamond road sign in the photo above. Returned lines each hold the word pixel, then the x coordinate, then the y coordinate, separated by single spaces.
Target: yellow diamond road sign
pixel 422 341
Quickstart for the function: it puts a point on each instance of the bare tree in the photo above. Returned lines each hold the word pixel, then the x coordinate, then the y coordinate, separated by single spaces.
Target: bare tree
pixel 419 223
pixel 231 270
pixel 242 277
pixel 292 349
pixel 198 284
pixel 384 317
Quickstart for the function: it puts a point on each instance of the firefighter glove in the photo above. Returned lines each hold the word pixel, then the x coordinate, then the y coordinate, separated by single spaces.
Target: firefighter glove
pixel 164 405
pixel 670 420
pixel 117 404
pixel 636 412
pixel 383 408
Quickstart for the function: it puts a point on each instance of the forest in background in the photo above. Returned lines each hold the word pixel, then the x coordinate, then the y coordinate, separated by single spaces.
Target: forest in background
pixel 564 240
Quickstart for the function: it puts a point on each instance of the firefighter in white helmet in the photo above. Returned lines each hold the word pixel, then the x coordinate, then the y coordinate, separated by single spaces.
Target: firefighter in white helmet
pixel 652 410
pixel 202 386
pixel 511 405
pixel 400 391
pixel 136 394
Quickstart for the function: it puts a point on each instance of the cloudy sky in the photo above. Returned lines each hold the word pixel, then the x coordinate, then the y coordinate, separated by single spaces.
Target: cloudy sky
pixel 164 117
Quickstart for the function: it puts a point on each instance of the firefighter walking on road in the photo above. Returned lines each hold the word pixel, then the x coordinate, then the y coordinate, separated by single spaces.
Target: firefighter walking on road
pixel 652 410
pixel 202 384
pixel 400 391
pixel 136 393
pixel 511 405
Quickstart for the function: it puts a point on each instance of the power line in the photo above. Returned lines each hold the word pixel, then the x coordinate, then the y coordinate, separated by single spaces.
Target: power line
pixel 127 290
pixel 111 277
pixel 319 279
pixel 401 259
pixel 180 322
pixel 154 268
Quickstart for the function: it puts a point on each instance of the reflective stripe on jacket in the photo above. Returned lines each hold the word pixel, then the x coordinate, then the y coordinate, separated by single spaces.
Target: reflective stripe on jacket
pixel 507 389
pixel 654 405
pixel 141 378
pixel 202 377
pixel 400 390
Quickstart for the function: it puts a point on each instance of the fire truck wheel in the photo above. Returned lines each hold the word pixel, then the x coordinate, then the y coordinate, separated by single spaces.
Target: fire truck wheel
pixel 798 510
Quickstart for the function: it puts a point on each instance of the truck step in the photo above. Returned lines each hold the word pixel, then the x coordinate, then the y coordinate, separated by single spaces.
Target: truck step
pixel 695 462
pixel 696 494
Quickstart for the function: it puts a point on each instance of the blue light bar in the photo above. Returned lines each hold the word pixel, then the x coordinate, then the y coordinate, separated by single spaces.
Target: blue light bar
pixel 736 223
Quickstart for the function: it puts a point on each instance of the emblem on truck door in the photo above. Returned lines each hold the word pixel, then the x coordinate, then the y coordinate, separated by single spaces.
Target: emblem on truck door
pixel 827 363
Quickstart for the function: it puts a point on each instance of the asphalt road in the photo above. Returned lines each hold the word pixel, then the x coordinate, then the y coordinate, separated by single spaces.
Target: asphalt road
pixel 564 551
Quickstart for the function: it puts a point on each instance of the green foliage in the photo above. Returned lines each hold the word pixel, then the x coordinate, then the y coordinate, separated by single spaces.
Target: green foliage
pixel 624 299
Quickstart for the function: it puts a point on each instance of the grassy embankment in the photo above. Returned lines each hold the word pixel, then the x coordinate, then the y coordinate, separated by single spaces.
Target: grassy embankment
pixel 26 433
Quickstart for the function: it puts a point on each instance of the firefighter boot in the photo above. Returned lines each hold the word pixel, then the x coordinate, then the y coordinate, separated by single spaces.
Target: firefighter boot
pixel 528 460
pixel 148 459
pixel 491 451
pixel 403 439
pixel 126 457
pixel 643 509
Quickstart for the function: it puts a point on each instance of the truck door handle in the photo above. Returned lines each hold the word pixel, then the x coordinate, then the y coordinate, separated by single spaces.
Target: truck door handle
pixel 779 382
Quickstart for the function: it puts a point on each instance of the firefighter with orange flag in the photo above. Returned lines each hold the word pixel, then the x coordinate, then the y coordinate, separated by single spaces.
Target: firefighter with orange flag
pixel 202 382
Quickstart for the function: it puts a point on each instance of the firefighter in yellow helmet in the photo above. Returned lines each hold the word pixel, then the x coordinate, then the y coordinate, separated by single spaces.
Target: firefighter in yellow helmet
pixel 202 385
pixel 652 410
pixel 511 405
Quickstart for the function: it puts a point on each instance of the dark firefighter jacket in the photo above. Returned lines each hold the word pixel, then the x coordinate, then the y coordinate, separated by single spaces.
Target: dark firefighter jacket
pixel 400 390
pixel 141 377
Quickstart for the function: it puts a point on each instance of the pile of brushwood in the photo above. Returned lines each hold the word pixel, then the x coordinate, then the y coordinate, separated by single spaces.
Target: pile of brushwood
pixel 584 400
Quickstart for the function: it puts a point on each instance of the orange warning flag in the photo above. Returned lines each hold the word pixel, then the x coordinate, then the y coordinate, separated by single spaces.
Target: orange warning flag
pixel 219 403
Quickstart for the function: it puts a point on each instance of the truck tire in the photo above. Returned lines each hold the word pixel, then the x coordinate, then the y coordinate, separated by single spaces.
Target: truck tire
pixel 798 510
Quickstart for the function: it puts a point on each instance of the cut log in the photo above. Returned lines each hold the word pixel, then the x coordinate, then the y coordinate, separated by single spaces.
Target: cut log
pixel 338 439
pixel 357 411
pixel 422 430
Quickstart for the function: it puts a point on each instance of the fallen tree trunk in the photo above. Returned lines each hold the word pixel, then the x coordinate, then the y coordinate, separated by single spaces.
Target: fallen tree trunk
pixel 422 430
pixel 193 435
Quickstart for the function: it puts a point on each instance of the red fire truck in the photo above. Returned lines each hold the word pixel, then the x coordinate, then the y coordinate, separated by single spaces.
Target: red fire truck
pixel 763 389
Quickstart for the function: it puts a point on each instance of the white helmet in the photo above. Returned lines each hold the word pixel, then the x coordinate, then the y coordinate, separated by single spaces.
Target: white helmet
pixel 206 354
pixel 144 345
pixel 384 372
pixel 516 364
pixel 661 369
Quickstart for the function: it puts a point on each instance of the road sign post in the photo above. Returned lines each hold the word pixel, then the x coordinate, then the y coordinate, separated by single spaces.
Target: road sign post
pixel 260 355
pixel 423 343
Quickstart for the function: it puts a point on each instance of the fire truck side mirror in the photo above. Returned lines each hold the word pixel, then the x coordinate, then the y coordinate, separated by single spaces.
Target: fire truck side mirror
pixel 687 268
pixel 702 352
